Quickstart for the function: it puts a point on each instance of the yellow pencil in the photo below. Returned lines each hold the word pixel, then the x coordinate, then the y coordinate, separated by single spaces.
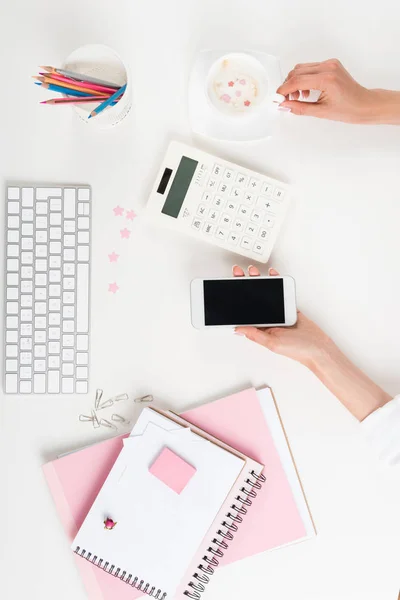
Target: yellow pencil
pixel 68 86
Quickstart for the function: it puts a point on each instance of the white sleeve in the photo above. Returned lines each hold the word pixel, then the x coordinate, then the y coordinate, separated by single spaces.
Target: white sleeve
pixel 382 429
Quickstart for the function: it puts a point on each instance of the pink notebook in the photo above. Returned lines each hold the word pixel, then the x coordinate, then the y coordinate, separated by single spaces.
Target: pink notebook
pixel 247 421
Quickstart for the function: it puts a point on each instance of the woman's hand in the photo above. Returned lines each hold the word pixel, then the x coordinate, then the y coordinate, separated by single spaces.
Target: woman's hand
pixel 341 98
pixel 304 342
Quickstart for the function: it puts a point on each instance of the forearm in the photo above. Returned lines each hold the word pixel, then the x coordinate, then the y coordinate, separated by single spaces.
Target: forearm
pixel 383 107
pixel 348 383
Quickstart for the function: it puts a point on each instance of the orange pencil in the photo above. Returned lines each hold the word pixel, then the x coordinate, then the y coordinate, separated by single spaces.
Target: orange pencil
pixel 68 86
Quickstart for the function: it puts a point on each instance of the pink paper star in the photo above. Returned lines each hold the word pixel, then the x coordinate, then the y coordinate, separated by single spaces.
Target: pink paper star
pixel 130 214
pixel 247 102
pixel 231 83
pixel 125 233
pixel 113 257
pixel 112 287
pixel 118 211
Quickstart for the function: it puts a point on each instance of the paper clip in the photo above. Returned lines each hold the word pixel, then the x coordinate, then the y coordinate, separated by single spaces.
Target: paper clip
pixel 120 397
pixel 106 404
pixel 147 398
pixel 99 395
pixel 85 418
pixel 106 423
pixel 95 420
pixel 119 419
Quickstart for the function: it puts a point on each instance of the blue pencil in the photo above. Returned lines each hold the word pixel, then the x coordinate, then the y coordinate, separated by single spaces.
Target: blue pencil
pixel 107 102
pixel 61 90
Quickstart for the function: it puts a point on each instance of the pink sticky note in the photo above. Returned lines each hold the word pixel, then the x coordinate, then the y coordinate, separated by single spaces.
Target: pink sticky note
pixel 172 470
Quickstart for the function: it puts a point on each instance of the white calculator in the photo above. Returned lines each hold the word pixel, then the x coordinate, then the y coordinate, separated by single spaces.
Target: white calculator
pixel 218 202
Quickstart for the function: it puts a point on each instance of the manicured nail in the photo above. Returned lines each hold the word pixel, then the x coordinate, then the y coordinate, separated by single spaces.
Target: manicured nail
pixel 284 109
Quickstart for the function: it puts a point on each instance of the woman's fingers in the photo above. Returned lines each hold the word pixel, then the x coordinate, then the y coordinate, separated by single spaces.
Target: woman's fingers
pixel 253 271
pixel 260 336
pixel 237 271
pixel 300 82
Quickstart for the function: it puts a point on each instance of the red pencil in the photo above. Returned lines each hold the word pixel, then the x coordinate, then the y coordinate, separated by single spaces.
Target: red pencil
pixel 74 100
pixel 82 84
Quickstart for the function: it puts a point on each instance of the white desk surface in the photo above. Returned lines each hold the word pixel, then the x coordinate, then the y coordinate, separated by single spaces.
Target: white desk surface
pixel 341 242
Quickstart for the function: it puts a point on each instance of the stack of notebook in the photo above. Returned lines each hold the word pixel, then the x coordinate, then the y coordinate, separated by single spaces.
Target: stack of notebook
pixel 186 493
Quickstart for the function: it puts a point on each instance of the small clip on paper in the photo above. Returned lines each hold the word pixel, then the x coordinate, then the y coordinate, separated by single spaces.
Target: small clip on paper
pixel 120 397
pixel 95 420
pixel 99 395
pixel 147 398
pixel 119 419
pixel 106 404
pixel 85 418
pixel 106 423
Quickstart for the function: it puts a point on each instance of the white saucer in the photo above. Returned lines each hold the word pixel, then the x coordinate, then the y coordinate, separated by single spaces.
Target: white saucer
pixel 206 119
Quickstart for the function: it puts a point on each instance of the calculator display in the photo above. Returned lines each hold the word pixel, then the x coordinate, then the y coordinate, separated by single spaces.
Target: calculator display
pixel 243 301
pixel 179 187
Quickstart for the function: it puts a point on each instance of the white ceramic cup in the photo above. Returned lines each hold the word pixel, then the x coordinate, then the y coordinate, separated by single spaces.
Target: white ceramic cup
pixel 101 62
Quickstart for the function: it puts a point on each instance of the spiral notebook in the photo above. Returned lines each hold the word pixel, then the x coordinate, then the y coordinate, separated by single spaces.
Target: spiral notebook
pixel 250 422
pixel 161 526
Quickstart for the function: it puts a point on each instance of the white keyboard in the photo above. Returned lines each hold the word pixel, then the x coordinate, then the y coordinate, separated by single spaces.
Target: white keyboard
pixel 218 202
pixel 47 291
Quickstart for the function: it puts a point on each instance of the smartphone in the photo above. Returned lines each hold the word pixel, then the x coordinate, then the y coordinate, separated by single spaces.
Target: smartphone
pixel 258 301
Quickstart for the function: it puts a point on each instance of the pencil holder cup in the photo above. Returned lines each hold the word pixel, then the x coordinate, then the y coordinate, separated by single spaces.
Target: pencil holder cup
pixel 101 62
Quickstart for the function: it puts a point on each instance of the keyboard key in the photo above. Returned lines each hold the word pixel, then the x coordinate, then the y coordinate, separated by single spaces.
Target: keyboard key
pixel 41 222
pixel 82 342
pixel 25 358
pixel 53 362
pixel 68 354
pixel 41 251
pixel 67 369
pixel 13 193
pixel 40 351
pixel 68 341
pixel 81 372
pixel 81 387
pixel 69 226
pixel 54 333
pixel 68 326
pixel 55 233
pixel 55 219
pixel 25 343
pixel 83 253
pixel 83 208
pixel 67 385
pixel 69 241
pixel 69 269
pixel 197 224
pixel 55 204
pixel 279 194
pixel 13 208
pixel 246 242
pixel 40 322
pixel 12 322
pixel 69 203
pixel 26 314
pixel 54 276
pixel 41 237
pixel 83 237
pixel 221 234
pixel 266 188
pixel 27 258
pixel 69 297
pixel 40 308
pixel 41 208
pixel 12 293
pixel 13 222
pixel 259 248
pixel 81 358
pixel 242 179
pixel 26 286
pixel 41 279
pixel 25 387
pixel 82 304
pixel 27 243
pixel 55 262
pixel 12 264
pixel 83 222
pixel 11 351
pixel 11 365
pixel 54 290
pixel 54 318
pixel 84 194
pixel 40 336
pixel 44 193
pixel 25 372
pixel 251 229
pixel 12 337
pixel 256 216
pixel 11 383
pixel 53 382
pixel 269 222
pixel 13 236
pixel 26 273
pixel 41 265
pixel 209 228
pixel 39 383
pixel 39 365
pixel 12 308
pixel 27 197
pixel 68 312
pixel 55 247
pixel 40 294
pixel 54 348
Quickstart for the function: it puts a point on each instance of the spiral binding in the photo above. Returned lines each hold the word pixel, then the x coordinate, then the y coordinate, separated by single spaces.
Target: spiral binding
pixel 225 535
pixel 135 582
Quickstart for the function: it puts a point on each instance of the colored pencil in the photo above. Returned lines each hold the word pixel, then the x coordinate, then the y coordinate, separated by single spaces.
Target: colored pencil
pixel 82 84
pixel 68 86
pixel 74 100
pixel 61 90
pixel 107 102
pixel 80 77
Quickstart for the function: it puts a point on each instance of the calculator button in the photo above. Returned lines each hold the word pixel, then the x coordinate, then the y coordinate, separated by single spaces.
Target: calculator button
pixel 278 194
pixel 206 197
pixel 269 221
pixel 219 202
pixel 238 225
pixel 266 188
pixel 254 185
pixel 259 248
pixel 256 216
pixel 232 207
pixel 242 179
pixel 268 205
pixel 209 228
pixel 213 215
pixel 246 242
pixel 229 175
pixel 201 211
pixel 244 211
pixel 233 238
pixel 224 188
pixel 236 192
pixel 197 224
pixel 263 233
pixel 251 229
pixel 221 234
pixel 226 220
pixel 249 198
pixel 217 170
pixel 212 183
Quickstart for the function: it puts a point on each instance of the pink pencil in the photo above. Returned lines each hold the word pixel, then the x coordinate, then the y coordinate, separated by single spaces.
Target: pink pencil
pixel 85 84
pixel 75 100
